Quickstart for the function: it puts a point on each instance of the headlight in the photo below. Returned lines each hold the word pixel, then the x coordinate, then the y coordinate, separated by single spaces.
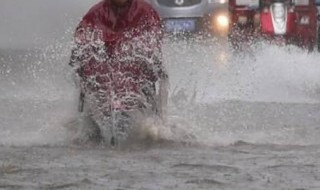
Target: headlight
pixel 223 21
pixel 223 1
pixel 217 1
pixel 220 23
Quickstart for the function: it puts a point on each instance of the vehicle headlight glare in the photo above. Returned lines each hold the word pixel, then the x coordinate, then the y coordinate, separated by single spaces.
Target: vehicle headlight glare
pixel 217 1
pixel 223 20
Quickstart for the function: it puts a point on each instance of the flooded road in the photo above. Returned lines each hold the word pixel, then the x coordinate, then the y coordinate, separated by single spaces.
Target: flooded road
pixel 247 133
pixel 235 121
pixel 170 166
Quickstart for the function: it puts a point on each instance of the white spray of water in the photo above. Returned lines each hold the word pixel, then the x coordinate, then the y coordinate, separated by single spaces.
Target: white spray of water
pixel 37 96
pixel 268 96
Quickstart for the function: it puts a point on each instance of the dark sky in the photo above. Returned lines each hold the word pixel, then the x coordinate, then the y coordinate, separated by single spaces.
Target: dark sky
pixel 27 23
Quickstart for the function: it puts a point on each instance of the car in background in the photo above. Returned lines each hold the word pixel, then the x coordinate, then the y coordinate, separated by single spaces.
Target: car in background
pixel 193 16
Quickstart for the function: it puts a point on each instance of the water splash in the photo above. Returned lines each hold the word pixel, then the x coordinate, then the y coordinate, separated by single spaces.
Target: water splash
pixel 37 95
pixel 267 96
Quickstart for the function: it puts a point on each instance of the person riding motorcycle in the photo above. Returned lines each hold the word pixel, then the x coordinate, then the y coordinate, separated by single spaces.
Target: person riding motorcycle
pixel 117 56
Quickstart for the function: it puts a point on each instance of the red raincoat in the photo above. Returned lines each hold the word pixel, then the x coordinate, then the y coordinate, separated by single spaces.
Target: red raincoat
pixel 118 48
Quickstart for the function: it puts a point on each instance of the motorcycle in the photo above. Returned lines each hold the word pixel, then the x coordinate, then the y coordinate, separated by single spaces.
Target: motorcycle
pixel 290 22
pixel 116 111
pixel 115 91
pixel 279 22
